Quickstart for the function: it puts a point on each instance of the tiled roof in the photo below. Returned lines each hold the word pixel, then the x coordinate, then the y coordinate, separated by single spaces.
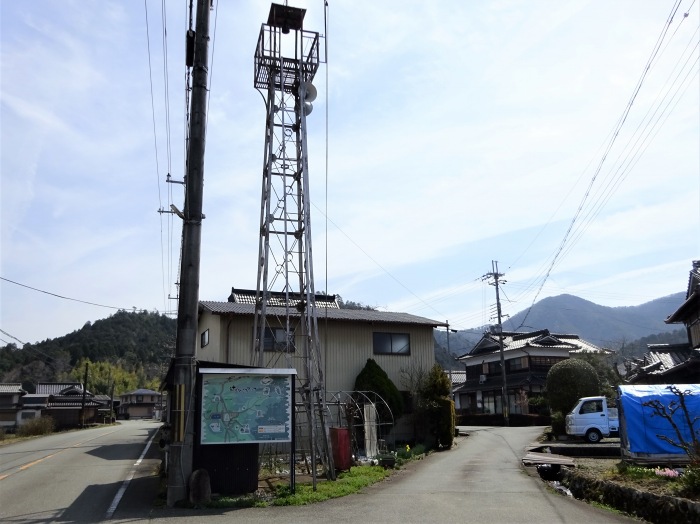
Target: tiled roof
pixel 55 388
pixel 349 315
pixel 692 298
pixel 142 392
pixel 662 360
pixel 278 298
pixel 71 401
pixel 536 339
pixel 11 388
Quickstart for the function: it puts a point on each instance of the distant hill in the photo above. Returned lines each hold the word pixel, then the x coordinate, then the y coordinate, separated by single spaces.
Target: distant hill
pixel 628 329
pixel 138 340
pixel 604 326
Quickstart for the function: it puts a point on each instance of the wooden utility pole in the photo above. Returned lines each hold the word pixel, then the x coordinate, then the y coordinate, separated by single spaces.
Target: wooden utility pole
pixel 82 404
pixel 182 410
pixel 111 403
pixel 499 327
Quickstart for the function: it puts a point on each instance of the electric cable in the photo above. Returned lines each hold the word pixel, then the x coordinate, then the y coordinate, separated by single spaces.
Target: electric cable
pixel 155 146
pixel 621 121
pixel 583 225
pixel 63 297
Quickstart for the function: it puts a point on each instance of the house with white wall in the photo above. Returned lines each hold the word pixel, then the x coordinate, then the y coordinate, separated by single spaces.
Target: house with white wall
pixel 10 404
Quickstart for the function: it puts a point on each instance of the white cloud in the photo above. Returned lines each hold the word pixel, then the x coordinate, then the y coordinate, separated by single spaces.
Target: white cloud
pixel 459 133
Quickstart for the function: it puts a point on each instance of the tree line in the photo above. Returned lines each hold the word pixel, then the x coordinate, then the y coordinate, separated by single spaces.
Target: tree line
pixel 133 348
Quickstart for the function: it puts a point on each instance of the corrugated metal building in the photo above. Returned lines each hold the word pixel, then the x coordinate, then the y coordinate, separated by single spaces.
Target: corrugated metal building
pixel 348 337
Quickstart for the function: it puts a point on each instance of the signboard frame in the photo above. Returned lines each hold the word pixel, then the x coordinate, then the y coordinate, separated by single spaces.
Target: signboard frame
pixel 227 393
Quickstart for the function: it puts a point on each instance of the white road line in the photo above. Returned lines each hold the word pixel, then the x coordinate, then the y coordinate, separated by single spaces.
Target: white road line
pixel 127 480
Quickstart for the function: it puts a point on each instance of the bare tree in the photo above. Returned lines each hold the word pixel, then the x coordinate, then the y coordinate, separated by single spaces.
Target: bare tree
pixel 413 379
pixel 690 447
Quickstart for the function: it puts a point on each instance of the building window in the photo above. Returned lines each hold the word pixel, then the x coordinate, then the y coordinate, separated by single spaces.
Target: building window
pixel 516 364
pixel 277 339
pixel 391 343
pixel 491 368
pixel 491 402
pixel 205 338
pixel 139 398
pixel 544 363
pixel 26 415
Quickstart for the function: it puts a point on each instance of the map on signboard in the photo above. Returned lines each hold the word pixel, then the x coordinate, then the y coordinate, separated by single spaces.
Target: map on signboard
pixel 246 408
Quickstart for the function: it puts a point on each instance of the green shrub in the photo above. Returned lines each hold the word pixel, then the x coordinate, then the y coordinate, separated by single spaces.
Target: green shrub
pixel 2 433
pixel 36 426
pixel 690 482
pixel 569 380
pixel 418 449
pixel 558 423
pixel 437 384
pixel 444 422
pixel 538 404
pixel 374 378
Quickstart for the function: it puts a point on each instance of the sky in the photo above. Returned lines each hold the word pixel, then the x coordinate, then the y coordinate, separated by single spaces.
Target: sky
pixel 560 139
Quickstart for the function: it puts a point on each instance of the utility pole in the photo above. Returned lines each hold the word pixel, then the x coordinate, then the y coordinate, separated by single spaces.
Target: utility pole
pixel 182 405
pixel 499 328
pixel 111 403
pixel 82 404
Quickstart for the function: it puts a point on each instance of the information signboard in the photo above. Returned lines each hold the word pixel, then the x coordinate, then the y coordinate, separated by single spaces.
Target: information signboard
pixel 246 406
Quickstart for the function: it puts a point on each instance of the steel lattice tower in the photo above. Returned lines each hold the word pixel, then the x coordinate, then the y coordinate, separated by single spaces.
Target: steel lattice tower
pixel 286 60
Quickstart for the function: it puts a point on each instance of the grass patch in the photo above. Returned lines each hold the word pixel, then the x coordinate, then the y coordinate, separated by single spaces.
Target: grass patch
pixel 37 426
pixel 605 507
pixel 347 483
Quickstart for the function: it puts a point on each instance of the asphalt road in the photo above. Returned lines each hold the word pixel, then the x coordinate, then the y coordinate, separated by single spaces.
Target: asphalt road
pixel 479 480
pixel 78 476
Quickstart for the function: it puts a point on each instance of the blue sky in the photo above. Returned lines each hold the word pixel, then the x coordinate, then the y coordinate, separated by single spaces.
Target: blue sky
pixel 458 133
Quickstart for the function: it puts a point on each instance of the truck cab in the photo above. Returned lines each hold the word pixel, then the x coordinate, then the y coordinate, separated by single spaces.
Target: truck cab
pixel 592 419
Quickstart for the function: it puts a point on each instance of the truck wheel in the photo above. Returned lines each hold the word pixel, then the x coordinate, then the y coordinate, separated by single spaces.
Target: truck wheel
pixel 593 436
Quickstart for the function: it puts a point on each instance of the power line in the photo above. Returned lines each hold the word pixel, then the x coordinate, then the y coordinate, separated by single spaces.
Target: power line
pixel 61 296
pixel 155 145
pixel 12 336
pixel 574 230
pixel 38 354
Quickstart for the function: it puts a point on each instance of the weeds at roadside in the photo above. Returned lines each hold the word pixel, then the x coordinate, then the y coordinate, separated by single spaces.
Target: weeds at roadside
pixel 37 426
pixel 347 482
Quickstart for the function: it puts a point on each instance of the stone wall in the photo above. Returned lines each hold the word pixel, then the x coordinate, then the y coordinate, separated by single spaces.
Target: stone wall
pixel 659 509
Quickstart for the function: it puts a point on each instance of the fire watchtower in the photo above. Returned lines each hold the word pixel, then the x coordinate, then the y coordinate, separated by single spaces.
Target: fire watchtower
pixel 286 331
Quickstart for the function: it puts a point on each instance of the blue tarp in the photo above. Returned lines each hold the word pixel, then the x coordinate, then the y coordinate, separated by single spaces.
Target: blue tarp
pixel 640 427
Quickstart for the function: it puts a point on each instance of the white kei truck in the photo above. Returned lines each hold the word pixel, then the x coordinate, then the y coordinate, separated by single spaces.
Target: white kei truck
pixel 593 419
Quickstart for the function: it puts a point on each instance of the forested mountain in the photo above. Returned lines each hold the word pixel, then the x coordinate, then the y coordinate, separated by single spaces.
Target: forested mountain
pixel 139 342
pixel 610 327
